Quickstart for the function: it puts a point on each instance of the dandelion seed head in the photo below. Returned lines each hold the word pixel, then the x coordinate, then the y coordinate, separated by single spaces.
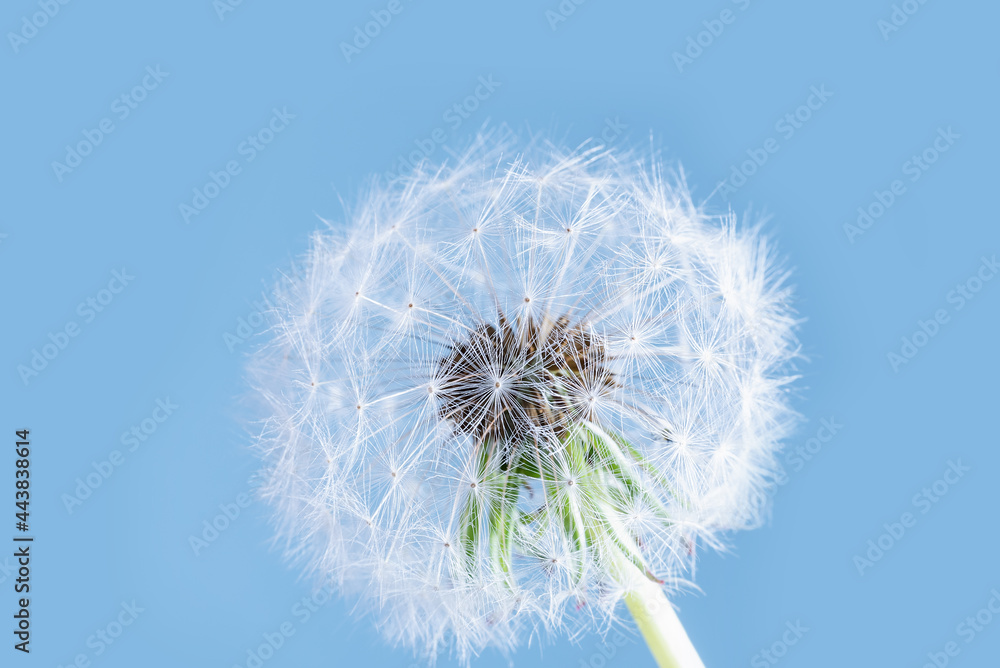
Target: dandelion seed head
pixel 500 371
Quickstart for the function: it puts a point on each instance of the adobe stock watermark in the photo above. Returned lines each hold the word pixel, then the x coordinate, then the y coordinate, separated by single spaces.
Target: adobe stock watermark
pixel 87 310
pixel 612 130
pixel 249 149
pixel 31 24
pixel 923 501
pixel 302 612
pixel 562 12
pixel 779 648
pixel 899 16
pixel 121 107
pixel 103 638
pixel 214 527
pixel 968 630
pixel 132 439
pixel 914 168
pixel 697 43
pixel 604 651
pixel 926 330
pixel 363 35
pixel 248 325
pixel 797 458
pixel 223 7
pixel 453 117
pixel 787 126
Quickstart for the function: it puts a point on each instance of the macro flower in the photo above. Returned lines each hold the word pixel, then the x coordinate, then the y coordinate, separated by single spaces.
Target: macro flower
pixel 511 395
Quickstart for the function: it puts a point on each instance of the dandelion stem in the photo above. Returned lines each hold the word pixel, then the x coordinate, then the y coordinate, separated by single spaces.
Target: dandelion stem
pixel 655 616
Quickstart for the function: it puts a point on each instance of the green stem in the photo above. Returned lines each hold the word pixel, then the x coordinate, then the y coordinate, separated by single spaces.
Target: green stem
pixel 654 615
pixel 607 486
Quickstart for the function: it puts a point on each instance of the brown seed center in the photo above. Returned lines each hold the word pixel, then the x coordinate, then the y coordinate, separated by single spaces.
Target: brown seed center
pixel 550 371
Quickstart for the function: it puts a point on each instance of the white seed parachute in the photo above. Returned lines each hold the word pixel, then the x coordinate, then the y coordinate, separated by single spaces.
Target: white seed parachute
pixel 502 378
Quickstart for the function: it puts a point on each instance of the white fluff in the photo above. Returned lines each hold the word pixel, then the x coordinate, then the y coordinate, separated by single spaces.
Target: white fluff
pixel 369 479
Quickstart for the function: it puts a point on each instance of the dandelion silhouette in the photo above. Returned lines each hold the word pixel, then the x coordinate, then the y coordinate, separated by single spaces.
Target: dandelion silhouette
pixel 518 390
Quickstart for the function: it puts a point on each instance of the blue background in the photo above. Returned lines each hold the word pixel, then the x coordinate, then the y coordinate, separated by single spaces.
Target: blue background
pixel 163 336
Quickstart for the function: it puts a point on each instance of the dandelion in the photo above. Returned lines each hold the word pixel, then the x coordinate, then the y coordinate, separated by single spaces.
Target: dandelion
pixel 515 393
